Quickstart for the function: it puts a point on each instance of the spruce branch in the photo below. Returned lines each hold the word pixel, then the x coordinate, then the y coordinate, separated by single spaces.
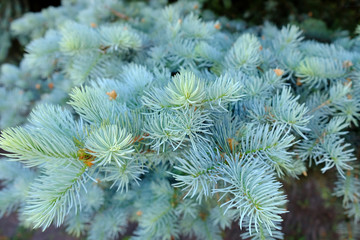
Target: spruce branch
pixel 255 193
pixel 109 144
pixel 52 201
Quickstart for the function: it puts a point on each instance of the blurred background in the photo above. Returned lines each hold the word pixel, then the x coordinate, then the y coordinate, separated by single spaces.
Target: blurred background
pixel 318 18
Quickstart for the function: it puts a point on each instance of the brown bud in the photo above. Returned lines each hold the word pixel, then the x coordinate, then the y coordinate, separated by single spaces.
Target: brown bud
pixel 348 82
pixel 51 85
pixel 112 95
pixel 347 64
pixel 88 163
pixel 298 82
pixel 231 143
pixel 38 86
pixel 278 72
pixel 202 215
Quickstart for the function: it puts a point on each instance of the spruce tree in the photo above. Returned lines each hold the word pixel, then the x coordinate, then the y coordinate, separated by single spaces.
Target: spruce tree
pixel 171 117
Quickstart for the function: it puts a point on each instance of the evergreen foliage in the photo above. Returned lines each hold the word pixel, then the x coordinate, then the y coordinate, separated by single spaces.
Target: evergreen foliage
pixel 181 123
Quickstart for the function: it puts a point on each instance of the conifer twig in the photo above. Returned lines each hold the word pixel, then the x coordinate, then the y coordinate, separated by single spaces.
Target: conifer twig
pixel 118 14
